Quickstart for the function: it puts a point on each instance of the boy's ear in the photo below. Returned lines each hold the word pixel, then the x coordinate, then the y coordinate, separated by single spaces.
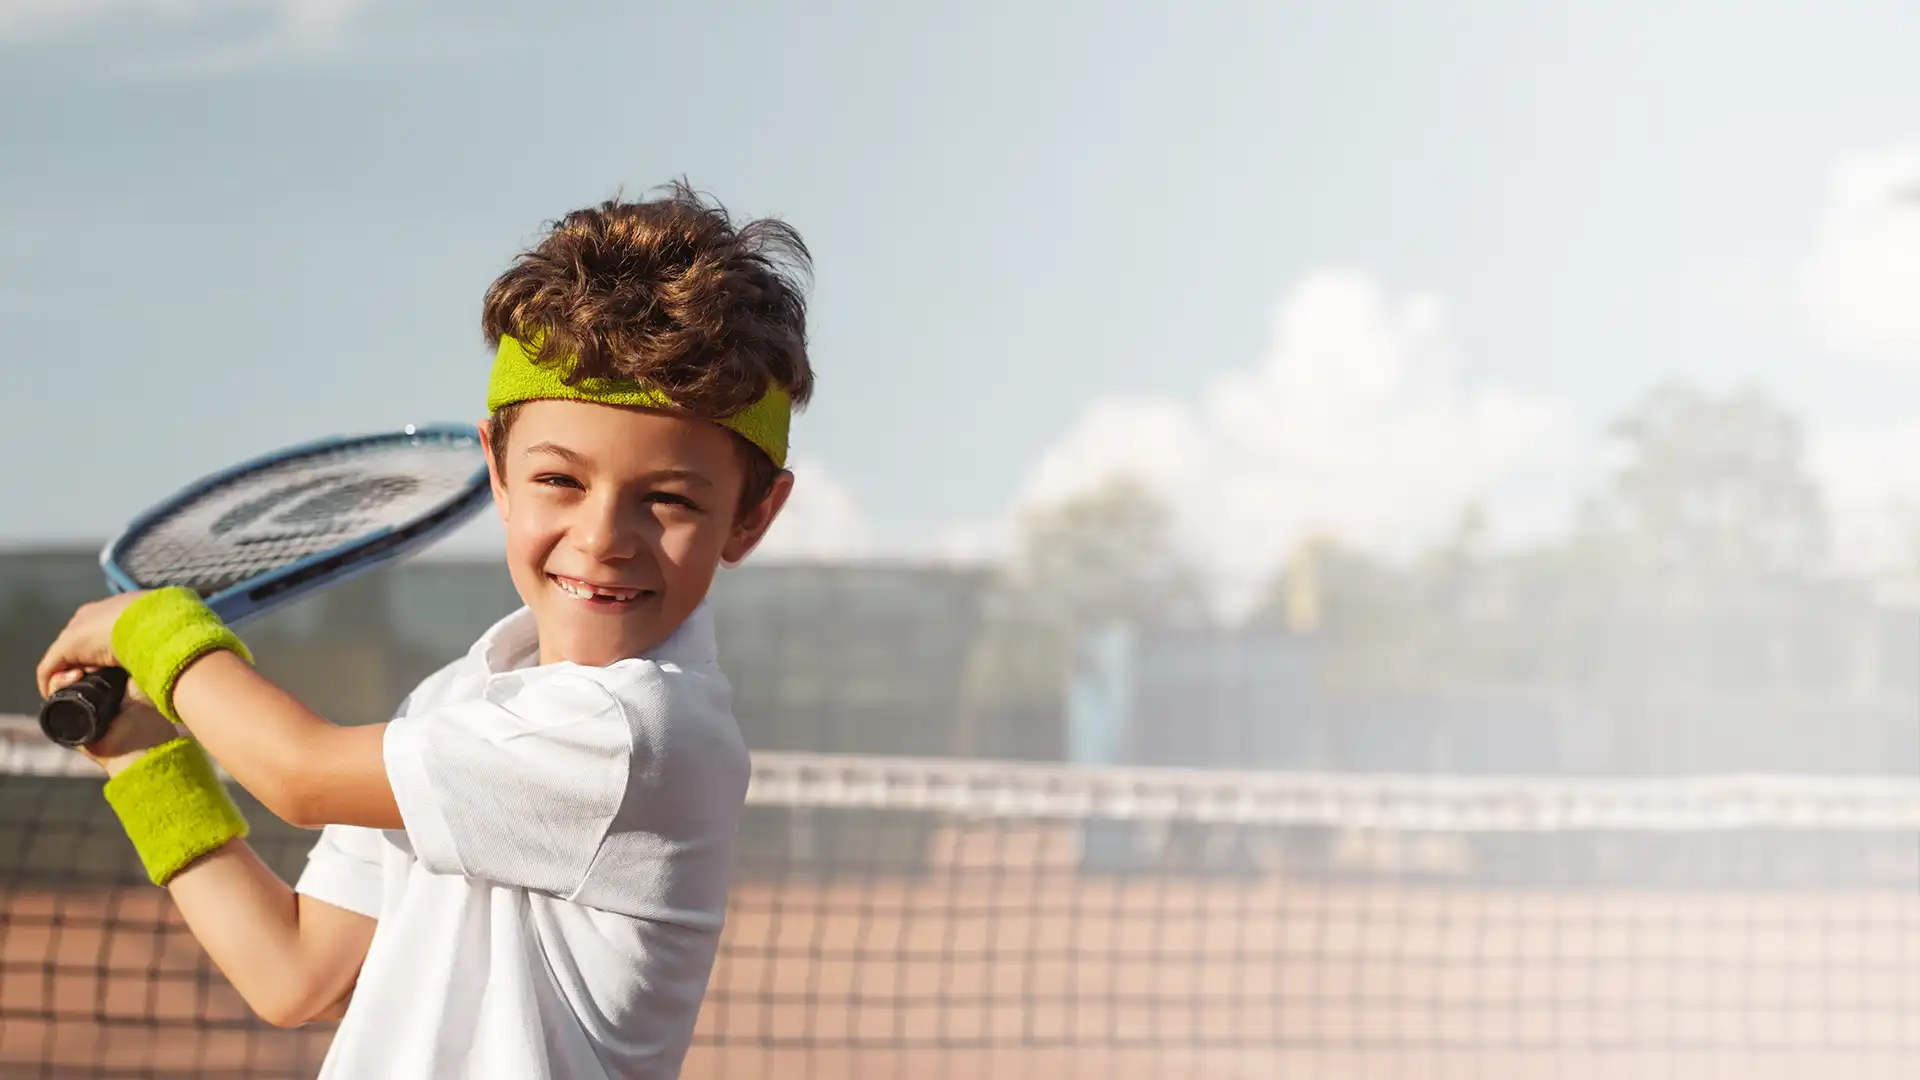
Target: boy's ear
pixel 752 526
pixel 494 479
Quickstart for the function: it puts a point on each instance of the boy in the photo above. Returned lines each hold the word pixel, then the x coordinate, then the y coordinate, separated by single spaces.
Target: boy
pixel 524 874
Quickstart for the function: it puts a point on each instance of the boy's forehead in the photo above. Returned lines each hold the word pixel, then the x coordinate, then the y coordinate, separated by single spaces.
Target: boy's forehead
pixel 589 430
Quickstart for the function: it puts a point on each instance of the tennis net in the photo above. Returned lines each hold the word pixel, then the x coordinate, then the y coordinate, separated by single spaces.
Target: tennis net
pixel 944 918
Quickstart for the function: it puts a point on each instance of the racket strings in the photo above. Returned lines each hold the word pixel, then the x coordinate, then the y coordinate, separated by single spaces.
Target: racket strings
pixel 280 514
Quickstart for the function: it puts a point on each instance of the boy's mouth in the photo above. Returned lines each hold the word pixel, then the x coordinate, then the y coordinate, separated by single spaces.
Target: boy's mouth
pixel 599 595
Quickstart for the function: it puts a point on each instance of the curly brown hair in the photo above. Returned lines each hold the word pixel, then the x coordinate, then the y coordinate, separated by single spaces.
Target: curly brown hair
pixel 669 293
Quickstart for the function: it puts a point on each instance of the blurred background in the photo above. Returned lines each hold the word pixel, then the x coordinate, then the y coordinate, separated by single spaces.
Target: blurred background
pixel 1367 390
pixel 1461 388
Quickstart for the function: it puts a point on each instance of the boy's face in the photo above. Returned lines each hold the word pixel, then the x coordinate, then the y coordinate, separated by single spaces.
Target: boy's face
pixel 617 520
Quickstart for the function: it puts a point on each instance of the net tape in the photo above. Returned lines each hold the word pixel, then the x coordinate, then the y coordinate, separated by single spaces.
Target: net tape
pixel 985 789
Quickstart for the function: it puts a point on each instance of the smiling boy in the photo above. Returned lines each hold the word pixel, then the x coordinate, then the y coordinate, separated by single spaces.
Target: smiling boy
pixel 524 873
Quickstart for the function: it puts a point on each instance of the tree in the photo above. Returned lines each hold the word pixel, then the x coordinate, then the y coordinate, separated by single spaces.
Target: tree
pixel 1109 555
pixel 1326 586
pixel 1714 485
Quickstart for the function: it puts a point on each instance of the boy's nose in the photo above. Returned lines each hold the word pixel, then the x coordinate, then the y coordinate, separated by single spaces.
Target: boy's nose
pixel 604 532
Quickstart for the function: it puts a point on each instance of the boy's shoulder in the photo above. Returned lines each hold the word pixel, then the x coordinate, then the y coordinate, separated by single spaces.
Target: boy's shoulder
pixel 634 730
pixel 443 686
pixel 674 690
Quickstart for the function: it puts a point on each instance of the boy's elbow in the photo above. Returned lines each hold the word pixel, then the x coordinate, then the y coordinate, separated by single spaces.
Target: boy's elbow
pixel 286 796
pixel 285 1010
pixel 289 790
pixel 300 809
pixel 297 1003
pixel 282 1018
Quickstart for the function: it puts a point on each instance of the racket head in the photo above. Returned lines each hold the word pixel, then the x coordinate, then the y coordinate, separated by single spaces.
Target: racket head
pixel 273 529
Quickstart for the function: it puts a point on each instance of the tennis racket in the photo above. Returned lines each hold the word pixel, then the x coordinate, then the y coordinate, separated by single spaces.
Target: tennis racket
pixel 277 528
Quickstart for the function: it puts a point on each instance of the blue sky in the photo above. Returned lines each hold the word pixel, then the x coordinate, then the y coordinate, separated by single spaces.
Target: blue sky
pixel 1304 267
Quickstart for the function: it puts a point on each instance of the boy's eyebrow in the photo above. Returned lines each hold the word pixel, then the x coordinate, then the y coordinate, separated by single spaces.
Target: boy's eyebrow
pixel 579 460
pixel 695 478
pixel 571 456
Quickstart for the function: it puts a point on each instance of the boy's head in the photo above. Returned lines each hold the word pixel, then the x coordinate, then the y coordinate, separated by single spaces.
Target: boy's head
pixel 649 354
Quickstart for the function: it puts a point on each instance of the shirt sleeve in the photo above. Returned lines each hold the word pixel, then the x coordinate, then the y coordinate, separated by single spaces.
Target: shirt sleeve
pixel 343 869
pixel 517 788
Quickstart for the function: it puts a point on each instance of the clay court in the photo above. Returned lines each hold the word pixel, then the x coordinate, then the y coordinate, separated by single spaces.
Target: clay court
pixel 981 965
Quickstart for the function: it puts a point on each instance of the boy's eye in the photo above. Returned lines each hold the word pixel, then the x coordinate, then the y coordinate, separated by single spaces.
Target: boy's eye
pixel 556 480
pixel 671 499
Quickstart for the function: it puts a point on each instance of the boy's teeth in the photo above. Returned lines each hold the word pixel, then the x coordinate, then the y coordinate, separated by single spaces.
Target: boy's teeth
pixel 588 592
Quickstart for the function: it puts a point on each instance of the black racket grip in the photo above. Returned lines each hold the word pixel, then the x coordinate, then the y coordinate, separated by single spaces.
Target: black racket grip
pixel 80 713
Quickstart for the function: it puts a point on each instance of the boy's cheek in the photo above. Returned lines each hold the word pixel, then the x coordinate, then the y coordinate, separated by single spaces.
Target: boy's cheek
pixel 525 538
pixel 691 552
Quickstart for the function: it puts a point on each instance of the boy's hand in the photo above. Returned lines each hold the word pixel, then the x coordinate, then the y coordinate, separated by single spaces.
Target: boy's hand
pixel 138 729
pixel 85 645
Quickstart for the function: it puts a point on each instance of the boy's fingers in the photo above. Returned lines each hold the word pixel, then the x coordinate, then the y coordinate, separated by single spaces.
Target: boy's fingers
pixel 51 664
pixel 75 649
pixel 59 663
pixel 58 660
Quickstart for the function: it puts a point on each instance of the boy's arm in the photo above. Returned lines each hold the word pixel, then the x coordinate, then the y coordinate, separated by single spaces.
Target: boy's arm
pixel 291 957
pixel 306 770
pixel 563 746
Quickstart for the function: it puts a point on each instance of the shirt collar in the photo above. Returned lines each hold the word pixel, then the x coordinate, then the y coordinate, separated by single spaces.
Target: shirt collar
pixel 514 643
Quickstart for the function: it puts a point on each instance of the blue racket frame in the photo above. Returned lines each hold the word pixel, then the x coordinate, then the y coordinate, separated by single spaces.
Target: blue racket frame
pixel 257 595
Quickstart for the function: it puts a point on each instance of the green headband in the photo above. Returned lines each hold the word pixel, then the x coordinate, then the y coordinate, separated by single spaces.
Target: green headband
pixel 516 378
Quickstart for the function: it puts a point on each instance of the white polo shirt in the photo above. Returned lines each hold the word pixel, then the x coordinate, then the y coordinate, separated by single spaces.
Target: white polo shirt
pixel 553 906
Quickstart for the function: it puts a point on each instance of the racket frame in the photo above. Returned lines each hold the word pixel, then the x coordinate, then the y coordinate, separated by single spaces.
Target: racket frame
pixel 257 595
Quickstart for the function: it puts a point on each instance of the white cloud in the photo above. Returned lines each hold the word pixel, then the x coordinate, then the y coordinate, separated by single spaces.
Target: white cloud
pixel 231 35
pixel 1357 423
pixel 1873 492
pixel 982 540
pixel 49 18
pixel 318 20
pixel 1861 283
pixel 306 20
pixel 822 520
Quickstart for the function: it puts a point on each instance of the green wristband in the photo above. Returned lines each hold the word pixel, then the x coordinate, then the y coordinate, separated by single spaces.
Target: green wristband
pixel 174 808
pixel 163 632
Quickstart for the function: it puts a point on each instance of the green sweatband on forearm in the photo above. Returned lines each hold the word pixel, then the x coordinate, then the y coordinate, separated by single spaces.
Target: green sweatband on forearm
pixel 174 808
pixel 163 632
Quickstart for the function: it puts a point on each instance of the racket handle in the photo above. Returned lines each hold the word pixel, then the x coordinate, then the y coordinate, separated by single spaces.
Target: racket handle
pixel 80 713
